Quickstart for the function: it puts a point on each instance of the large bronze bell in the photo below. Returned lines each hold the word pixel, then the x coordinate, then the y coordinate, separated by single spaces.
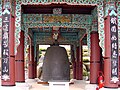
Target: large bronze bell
pixel 56 64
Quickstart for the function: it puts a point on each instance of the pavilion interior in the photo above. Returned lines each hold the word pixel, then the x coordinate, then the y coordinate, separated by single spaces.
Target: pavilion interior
pixel 42 35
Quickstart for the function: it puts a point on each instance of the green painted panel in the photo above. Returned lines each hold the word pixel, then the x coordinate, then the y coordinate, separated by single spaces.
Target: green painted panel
pixel 52 18
pixel 69 25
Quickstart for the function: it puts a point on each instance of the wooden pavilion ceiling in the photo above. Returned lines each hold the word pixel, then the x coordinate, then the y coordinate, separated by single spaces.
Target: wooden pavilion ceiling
pixel 44 35
pixel 68 35
pixel 66 9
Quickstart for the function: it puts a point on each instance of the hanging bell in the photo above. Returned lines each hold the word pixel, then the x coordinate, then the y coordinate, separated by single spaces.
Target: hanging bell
pixel 56 64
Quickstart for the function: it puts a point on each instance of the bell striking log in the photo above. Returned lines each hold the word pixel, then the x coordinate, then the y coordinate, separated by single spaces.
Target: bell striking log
pixel 56 64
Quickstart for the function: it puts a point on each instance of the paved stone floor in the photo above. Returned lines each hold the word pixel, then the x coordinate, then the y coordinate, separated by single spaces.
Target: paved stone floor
pixel 32 85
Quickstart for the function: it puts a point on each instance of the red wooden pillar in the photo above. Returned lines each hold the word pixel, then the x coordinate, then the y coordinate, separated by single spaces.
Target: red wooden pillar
pixel 80 62
pixel 94 57
pixel 119 69
pixel 35 69
pixel 36 59
pixel 31 63
pixel 107 61
pixel 77 63
pixel 19 61
pixel 29 56
pixel 74 69
pixel 8 57
pixel 73 62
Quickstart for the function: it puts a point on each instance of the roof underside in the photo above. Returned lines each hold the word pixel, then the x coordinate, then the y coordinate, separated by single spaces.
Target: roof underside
pixel 48 9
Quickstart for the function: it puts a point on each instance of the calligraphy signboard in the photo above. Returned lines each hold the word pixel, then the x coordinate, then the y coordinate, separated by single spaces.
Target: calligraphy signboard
pixel 114 48
pixel 5 46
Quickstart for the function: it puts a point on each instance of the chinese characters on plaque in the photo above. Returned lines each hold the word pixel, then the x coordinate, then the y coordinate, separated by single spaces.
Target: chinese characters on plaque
pixel 5 46
pixel 114 48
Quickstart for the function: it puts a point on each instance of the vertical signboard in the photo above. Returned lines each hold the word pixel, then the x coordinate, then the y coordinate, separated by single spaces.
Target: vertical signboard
pixel 114 48
pixel 5 45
